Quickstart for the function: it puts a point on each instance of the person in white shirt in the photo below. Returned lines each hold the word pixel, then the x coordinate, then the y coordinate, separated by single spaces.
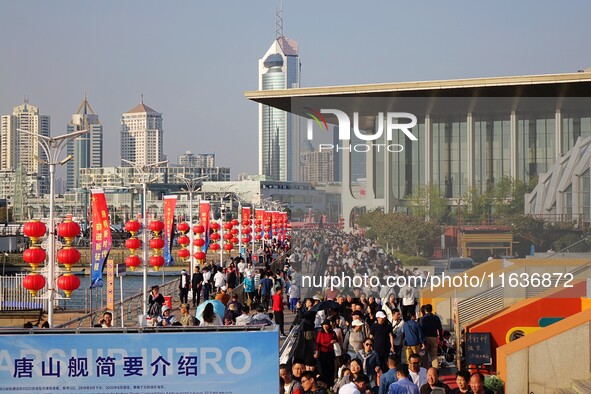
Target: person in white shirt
pixel 358 386
pixel 418 374
pixel 219 280
pixel 241 267
pixel 244 319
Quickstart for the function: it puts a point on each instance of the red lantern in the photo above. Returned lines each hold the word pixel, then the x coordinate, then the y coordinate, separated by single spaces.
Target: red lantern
pixel 156 243
pixel 183 240
pixel 34 229
pixel 258 229
pixel 133 226
pixel 228 246
pixel 199 242
pixel 34 282
pixel 214 247
pixel 227 236
pixel 199 255
pixel 199 229
pixel 133 244
pixel 156 226
pixel 246 231
pixel 258 237
pixel 214 237
pixel 68 256
pixel 245 240
pixel 215 226
pixel 68 283
pixel 182 227
pixel 133 261
pixel 234 231
pixel 227 225
pixel 267 236
pixel 258 222
pixel 246 222
pixel 34 256
pixel 157 262
pixel 183 253
pixel 234 222
pixel 69 230
pixel 234 240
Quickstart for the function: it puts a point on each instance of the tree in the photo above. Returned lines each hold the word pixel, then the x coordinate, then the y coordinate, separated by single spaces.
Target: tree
pixel 428 203
pixel 409 234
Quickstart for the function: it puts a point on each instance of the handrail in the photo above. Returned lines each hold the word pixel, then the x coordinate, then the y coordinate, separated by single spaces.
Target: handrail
pixel 167 289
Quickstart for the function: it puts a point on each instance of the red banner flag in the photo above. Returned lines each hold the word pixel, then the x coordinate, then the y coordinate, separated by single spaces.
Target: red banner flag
pixel 101 237
pixel 204 210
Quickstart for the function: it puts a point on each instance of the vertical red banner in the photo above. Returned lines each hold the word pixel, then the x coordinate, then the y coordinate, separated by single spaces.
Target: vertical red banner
pixel 245 213
pixel 169 206
pixel 204 213
pixel 101 237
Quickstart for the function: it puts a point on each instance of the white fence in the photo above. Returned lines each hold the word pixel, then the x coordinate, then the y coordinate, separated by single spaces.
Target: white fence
pixel 13 296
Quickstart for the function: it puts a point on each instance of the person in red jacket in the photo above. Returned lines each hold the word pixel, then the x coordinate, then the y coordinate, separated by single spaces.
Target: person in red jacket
pixel 325 352
pixel 278 309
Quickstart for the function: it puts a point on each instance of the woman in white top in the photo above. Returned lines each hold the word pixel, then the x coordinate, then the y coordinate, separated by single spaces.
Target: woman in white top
pixel 209 317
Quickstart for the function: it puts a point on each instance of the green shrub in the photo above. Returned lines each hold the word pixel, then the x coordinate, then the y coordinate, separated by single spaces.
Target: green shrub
pixel 494 383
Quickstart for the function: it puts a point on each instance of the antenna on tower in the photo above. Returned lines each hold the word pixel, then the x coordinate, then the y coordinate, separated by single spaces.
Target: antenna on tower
pixel 279 21
pixel 142 97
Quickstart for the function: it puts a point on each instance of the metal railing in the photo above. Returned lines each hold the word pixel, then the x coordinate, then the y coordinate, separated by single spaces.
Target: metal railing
pixel 132 309
pixel 13 296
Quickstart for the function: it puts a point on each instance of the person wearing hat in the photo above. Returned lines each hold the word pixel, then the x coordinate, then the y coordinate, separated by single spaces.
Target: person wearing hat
pixel 223 295
pixel 186 318
pixel 184 287
pixel 166 318
pixel 381 332
pixel 354 338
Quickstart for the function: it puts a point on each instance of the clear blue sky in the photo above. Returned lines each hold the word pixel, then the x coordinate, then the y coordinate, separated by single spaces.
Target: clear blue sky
pixel 193 60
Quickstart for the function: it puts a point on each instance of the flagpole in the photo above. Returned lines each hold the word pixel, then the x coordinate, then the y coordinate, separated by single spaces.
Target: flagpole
pixel 456 315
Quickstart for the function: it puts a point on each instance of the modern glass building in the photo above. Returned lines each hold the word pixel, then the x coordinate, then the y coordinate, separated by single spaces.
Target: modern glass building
pixel 469 133
pixel 87 150
pixel 279 137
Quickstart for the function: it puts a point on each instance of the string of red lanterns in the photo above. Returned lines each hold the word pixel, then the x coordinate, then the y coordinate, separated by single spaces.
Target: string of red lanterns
pixel 133 244
pixel 157 244
pixel 68 256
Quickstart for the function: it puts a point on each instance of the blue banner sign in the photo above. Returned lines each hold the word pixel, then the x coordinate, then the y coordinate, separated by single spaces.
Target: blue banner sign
pixel 184 362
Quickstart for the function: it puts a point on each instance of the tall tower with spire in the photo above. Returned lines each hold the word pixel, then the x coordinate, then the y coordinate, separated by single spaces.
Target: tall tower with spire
pixel 279 136
pixel 87 150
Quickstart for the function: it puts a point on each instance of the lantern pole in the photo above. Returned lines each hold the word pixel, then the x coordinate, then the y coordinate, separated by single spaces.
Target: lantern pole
pixel 52 147
pixel 192 184
pixel 145 170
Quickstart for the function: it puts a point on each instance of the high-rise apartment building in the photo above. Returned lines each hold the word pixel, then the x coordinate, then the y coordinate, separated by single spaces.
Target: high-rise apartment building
pixel 189 159
pixel 23 148
pixel 142 135
pixel 279 136
pixel 87 149
pixel 318 167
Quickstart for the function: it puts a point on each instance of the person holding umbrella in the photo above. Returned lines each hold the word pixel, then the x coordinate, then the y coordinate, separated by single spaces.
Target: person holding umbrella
pixel 213 315
pixel 209 317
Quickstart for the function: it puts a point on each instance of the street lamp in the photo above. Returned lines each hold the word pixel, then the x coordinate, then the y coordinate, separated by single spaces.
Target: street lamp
pixel 192 184
pixel 145 170
pixel 52 146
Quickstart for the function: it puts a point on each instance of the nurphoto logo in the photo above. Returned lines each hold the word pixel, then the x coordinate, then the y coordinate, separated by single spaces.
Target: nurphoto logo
pixel 395 122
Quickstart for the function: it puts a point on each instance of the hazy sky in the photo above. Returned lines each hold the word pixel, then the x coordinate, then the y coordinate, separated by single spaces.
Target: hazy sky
pixel 193 60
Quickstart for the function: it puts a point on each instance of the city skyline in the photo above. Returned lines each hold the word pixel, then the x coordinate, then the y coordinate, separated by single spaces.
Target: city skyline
pixel 196 62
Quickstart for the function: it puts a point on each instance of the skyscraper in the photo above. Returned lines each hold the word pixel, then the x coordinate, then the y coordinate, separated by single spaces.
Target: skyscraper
pixel 21 148
pixel 279 136
pixel 142 140
pixel 87 149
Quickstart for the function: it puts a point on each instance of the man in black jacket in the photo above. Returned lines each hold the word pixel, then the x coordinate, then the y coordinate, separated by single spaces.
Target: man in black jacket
pixel 184 286
pixel 196 284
